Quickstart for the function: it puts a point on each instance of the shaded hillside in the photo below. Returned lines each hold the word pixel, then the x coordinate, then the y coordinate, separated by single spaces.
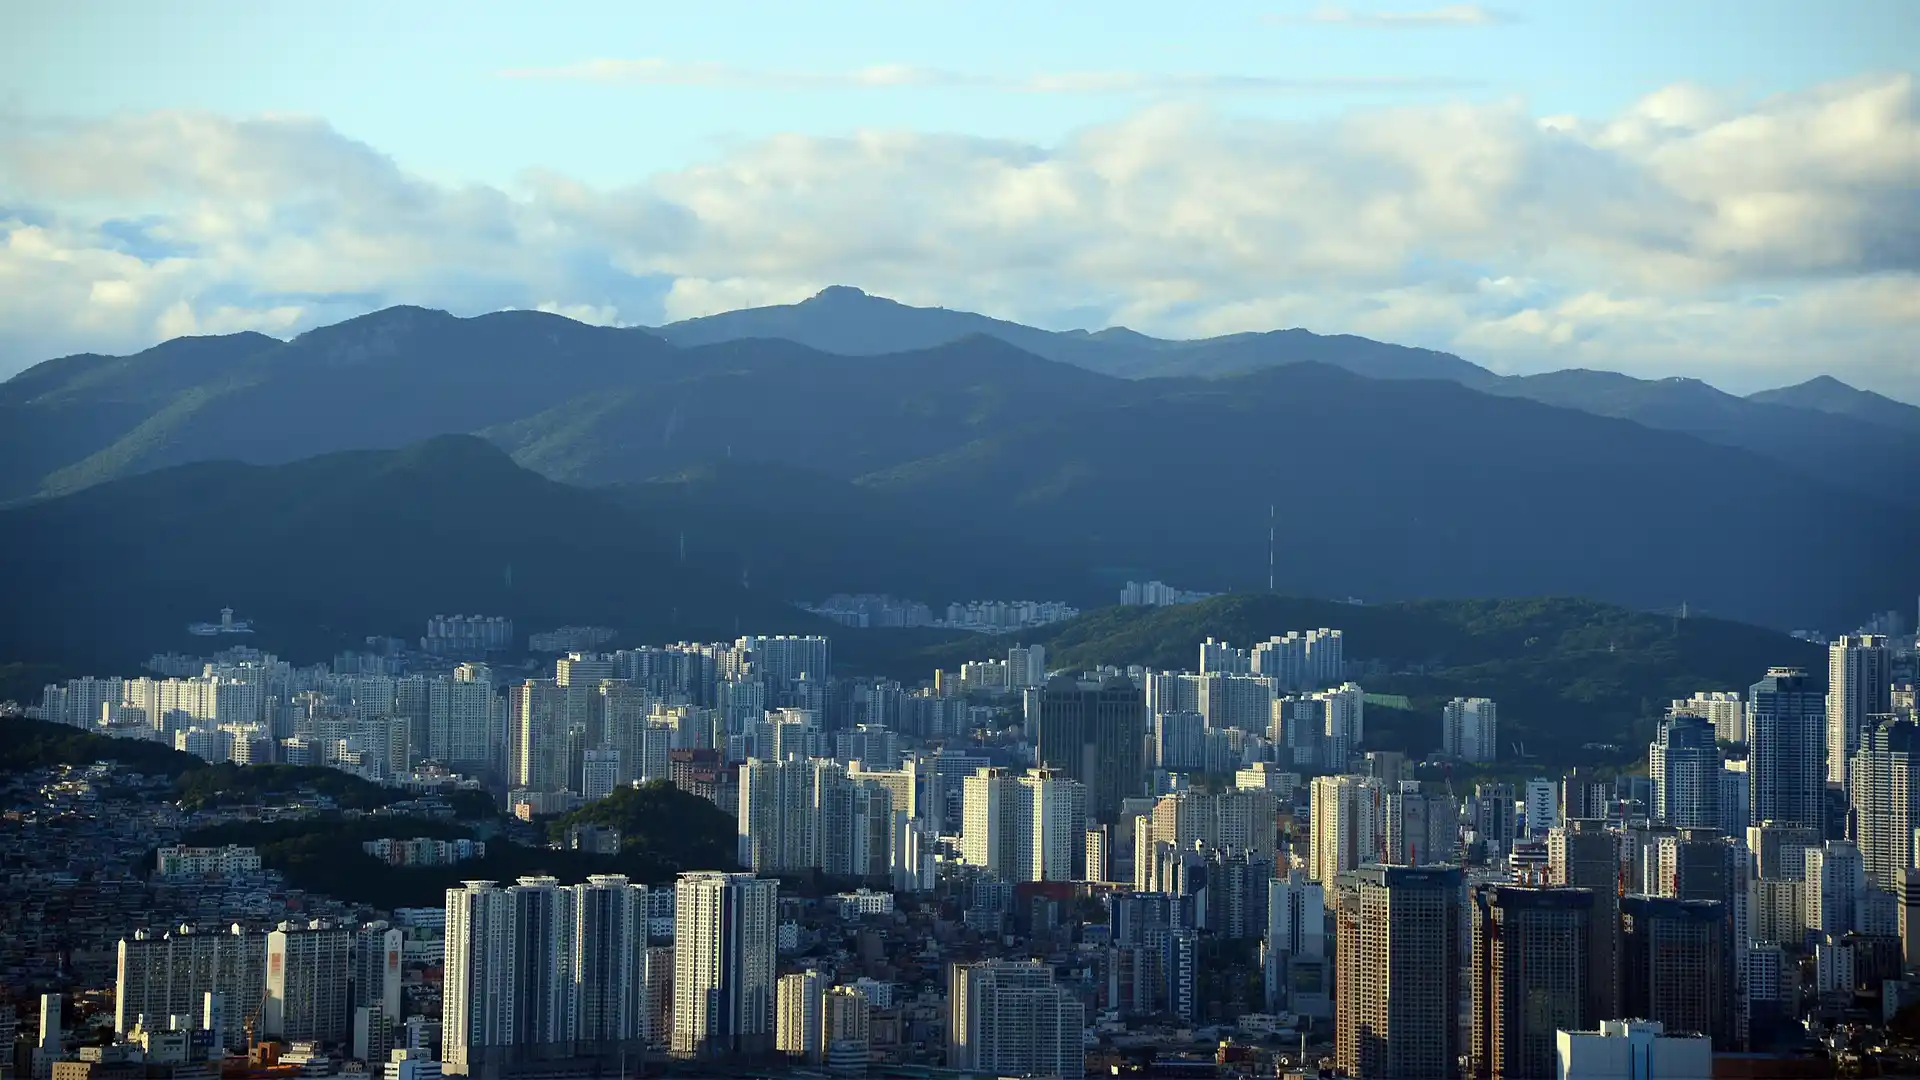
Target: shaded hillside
pixel 1565 672
pixel 383 380
pixel 775 401
pixel 804 535
pixel 326 550
pixel 1879 458
pixel 1404 489
pixel 684 832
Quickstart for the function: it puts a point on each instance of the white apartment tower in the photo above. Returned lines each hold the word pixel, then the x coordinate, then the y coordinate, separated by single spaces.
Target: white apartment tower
pixel 306 985
pixel 725 928
pixel 1886 804
pixel 1007 1018
pixel 798 1029
pixel 1859 689
pixel 1469 729
pixel 1026 827
pixel 1347 826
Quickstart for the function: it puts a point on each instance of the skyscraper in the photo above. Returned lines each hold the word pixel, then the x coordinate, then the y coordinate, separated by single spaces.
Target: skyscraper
pixel 1026 827
pixel 1295 959
pixel 1583 853
pixel 1885 800
pixel 171 975
pixel 1684 765
pixel 609 996
pixel 1094 733
pixel 1538 954
pixel 723 950
pixel 1007 1017
pixel 307 983
pixel 1677 964
pixel 1397 997
pixel 1859 689
pixel 474 984
pixel 1347 827
pixel 460 718
pixel 798 1027
pixel 1469 729
pixel 1786 759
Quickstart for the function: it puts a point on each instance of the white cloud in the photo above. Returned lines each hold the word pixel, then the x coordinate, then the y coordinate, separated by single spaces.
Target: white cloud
pixel 1747 243
pixel 657 71
pixel 1447 15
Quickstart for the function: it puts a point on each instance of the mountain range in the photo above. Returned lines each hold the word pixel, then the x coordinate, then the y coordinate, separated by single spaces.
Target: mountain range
pixel 849 442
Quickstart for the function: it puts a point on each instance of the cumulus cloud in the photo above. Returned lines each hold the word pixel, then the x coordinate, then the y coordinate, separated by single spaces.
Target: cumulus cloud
pixel 1749 243
pixel 1448 15
pixel 655 71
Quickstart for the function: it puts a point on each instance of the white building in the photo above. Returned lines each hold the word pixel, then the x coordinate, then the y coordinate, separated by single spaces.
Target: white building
pixel 1024 827
pixel 1859 687
pixel 1346 715
pixel 1633 1050
pixel 230 861
pixel 1469 729
pixel 306 987
pixel 1835 891
pixel 1348 829
pixel 1542 806
pixel 724 951
pixel 1724 709
pixel 798 1027
pixel 861 902
pixel 1886 804
pixel 1008 1018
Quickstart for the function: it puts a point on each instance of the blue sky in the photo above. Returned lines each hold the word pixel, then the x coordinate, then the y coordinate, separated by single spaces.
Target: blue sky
pixel 624 153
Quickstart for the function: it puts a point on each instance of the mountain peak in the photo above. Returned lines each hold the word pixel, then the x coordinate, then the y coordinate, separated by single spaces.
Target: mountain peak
pixel 841 294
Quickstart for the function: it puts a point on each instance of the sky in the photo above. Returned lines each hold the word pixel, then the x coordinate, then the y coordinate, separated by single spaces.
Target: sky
pixel 1721 189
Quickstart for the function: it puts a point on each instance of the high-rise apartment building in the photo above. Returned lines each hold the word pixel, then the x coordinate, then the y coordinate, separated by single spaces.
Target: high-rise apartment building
pixel 1397 995
pixel 1835 888
pixel 1540 956
pixel 171 974
pixel 1723 709
pixel 1470 729
pixel 1582 853
pixel 460 729
pixel 1029 826
pixel 846 1022
pixel 1347 826
pixel 1420 824
pixel 538 970
pixel 725 929
pixel 1007 1018
pixel 307 984
pixel 1683 763
pixel 1787 750
pixel 1859 691
pixel 1295 951
pixel 612 988
pixel 1677 964
pixel 1346 720
pixel 798 1024
pixel 1094 733
pixel 1886 804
